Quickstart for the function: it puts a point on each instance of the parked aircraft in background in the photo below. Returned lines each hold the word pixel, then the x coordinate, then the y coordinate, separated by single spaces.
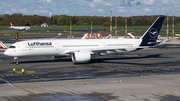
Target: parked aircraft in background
pixel 83 50
pixel 19 28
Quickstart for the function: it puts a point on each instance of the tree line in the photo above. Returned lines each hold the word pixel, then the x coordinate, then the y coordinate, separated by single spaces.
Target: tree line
pixel 19 19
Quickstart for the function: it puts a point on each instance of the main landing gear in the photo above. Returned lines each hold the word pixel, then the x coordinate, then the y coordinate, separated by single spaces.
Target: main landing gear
pixel 95 58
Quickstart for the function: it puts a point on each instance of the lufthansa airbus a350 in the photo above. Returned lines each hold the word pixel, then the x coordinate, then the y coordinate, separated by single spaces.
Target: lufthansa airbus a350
pixel 82 50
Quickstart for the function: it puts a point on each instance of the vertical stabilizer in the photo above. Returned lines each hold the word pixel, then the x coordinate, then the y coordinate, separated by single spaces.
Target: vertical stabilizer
pixel 152 33
pixel 11 24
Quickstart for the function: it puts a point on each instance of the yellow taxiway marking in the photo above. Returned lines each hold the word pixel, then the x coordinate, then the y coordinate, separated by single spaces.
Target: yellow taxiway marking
pixel 131 55
pixel 6 82
pixel 24 89
pixel 18 72
pixel 30 92
pixel 135 55
pixel 29 72
pixel 173 46
pixel 79 92
pixel 45 80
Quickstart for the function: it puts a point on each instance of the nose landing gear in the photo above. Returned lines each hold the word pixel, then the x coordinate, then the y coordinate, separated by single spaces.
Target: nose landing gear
pixel 16 60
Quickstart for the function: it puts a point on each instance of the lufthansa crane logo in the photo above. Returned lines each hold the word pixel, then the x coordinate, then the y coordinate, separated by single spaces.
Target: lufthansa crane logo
pixel 153 33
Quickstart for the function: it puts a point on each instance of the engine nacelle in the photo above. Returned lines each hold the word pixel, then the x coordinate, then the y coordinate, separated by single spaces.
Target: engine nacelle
pixel 81 57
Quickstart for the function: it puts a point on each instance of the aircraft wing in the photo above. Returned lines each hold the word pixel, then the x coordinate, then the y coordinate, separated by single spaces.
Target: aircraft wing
pixel 107 49
pixel 143 47
pixel 98 50
pixel 71 51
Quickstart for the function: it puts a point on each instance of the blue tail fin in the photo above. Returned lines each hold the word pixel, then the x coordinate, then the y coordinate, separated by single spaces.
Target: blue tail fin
pixel 152 33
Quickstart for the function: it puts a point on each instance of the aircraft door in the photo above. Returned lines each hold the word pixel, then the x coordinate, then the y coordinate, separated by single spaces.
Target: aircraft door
pixel 136 44
pixel 104 44
pixel 24 47
pixel 57 46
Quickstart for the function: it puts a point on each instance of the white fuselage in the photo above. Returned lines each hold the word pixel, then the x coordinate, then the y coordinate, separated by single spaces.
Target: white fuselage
pixel 61 47
pixel 21 28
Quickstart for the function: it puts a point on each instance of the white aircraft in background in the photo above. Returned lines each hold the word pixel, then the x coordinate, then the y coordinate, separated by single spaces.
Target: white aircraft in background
pixel 19 28
pixel 83 50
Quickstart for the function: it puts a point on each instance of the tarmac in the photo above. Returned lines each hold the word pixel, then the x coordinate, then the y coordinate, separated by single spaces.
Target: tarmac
pixel 145 75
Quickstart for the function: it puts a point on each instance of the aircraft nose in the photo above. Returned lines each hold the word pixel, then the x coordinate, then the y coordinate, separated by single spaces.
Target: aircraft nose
pixel 6 52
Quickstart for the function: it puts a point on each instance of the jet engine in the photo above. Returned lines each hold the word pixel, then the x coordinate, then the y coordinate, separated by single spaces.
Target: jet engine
pixel 81 57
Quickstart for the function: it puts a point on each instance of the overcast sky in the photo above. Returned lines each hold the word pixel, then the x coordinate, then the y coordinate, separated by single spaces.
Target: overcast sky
pixel 91 7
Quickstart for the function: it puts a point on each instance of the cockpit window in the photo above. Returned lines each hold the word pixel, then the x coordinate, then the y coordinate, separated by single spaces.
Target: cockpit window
pixel 12 47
